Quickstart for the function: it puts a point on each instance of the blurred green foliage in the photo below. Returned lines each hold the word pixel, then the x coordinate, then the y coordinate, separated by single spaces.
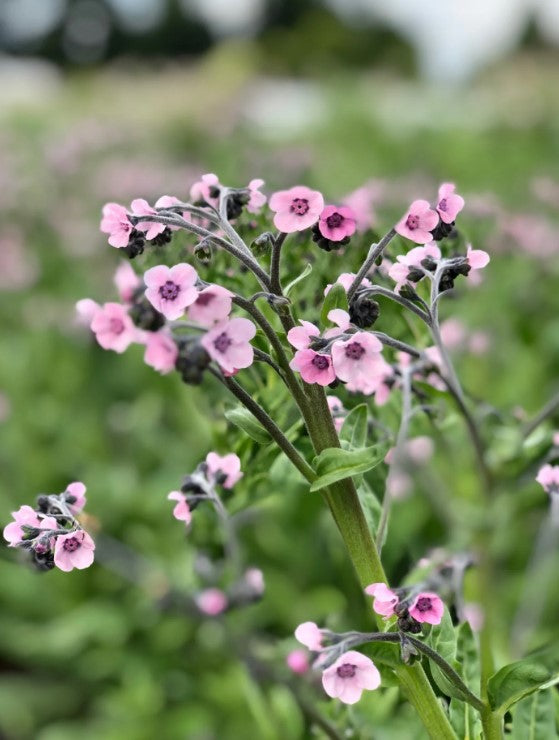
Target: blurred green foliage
pixel 95 653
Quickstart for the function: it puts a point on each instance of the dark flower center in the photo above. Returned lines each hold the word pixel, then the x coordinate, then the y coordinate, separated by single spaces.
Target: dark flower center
pixel 299 206
pixel 169 290
pixel 412 222
pixel 71 544
pixel 335 220
pixel 354 351
pixel 423 604
pixel 222 343
pixel 116 326
pixel 205 299
pixel 443 205
pixel 320 362
pixel 346 670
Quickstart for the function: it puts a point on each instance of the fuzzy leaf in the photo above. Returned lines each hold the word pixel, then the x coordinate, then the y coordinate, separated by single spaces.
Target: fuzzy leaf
pixel 370 504
pixel 242 418
pixel 336 298
pixel 534 717
pixel 516 680
pixel 301 276
pixel 354 429
pixel 463 717
pixel 334 464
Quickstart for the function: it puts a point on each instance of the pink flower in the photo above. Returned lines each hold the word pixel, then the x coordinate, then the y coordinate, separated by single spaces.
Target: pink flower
pixel 126 281
pixel 345 280
pixel 361 203
pixel 298 661
pixel 309 635
pixel 171 289
pixel 212 601
pixel 453 333
pixel 358 362
pixel 161 351
pixel 548 478
pixel 349 676
pixel 314 367
pixel 113 327
pixel 182 509
pixel 206 189
pixel 212 304
pixel 75 496
pixel 225 470
pixel 400 270
pixel 427 607
pixel 339 317
pixel 254 578
pixel 337 222
pixel 384 599
pixel 166 201
pixel 86 310
pixel 477 258
pixel 73 550
pixel 296 209
pixel 300 337
pixel 13 532
pixel 337 410
pixel 115 222
pixel 228 343
pixel 418 222
pixel 256 198
pixel 450 204
pixel 141 207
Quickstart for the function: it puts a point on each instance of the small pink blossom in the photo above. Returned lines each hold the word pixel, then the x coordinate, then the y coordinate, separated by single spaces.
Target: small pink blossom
pixel 384 599
pixel 76 492
pixel 113 327
pixel 337 410
pixel 313 366
pixel 167 201
pixel 212 304
pixel 161 351
pixel 296 209
pixel 141 207
pixel 13 532
pixel 116 223
pixel 345 280
pixel 427 607
pixel 254 578
pixel 418 222
pixel 182 509
pixel 453 333
pixel 170 290
pixel 339 317
pixel 212 601
pixel 449 204
pixel 86 310
pixel 309 635
pixel 361 203
pixel 301 337
pixel 399 270
pixel 548 478
pixel 126 281
pixel 225 470
pixel 256 198
pixel 298 661
pixel 349 676
pixel 337 222
pixel 206 189
pixel 74 550
pixel 418 450
pixel 228 343
pixel 357 361
pixel 477 258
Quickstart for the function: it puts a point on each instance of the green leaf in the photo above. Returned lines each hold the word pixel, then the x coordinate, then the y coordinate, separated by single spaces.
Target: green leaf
pixel 334 464
pixel 336 298
pixel 463 717
pixel 516 680
pixel 354 429
pixel 442 638
pixel 242 418
pixel 302 276
pixel 370 504
pixel 534 717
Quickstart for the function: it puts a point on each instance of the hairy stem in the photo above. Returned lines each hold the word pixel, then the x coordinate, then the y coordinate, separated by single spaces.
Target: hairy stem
pixel 374 252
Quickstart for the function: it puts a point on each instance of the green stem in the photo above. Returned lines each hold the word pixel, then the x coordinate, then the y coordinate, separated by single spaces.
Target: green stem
pixel 492 724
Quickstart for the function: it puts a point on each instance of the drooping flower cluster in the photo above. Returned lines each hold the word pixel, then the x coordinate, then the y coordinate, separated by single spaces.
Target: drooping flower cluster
pixel 50 533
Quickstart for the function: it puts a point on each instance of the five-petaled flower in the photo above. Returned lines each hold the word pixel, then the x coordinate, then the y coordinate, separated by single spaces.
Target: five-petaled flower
pixel 113 327
pixel 309 635
pixel 141 207
pixel 256 198
pixel 384 599
pixel 315 367
pixel 73 550
pixel 449 204
pixel 116 223
pixel 224 470
pixel 427 607
pixel 296 209
pixel 213 303
pixel 358 362
pixel 337 222
pixel 170 290
pixel 228 343
pixel 161 351
pixel 349 676
pixel 418 222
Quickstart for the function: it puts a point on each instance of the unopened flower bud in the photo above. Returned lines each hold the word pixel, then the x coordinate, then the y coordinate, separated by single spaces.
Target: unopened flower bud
pixel 161 239
pixel 442 230
pixel 203 251
pixel 144 315
pixel 135 244
pixel 363 311
pixel 191 362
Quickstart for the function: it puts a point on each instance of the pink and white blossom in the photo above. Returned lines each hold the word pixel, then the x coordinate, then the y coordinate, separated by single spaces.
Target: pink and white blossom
pixel 75 496
pixel 418 222
pixel 126 281
pixel 400 269
pixel 357 361
pixel 213 304
pixel 449 203
pixel 182 509
pixel 74 550
pixel 225 469
pixel 141 207
pixel 384 599
pixel 212 601
pixel 345 280
pixel 228 343
pixel 206 189
pixel 298 661
pixel 170 290
pixel 113 327
pixel 339 317
pixel 349 676
pixel 337 222
pixel 548 478
pixel 427 607
pixel 313 366
pixel 301 337
pixel 477 258
pixel 256 198
pixel 309 635
pixel 296 209
pixel 161 351
pixel 116 223
pixel 13 532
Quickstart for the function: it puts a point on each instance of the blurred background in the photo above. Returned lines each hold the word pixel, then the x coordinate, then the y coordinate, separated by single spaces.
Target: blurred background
pixel 114 99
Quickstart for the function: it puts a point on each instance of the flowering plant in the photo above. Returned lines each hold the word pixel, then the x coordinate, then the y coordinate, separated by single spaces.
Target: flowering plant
pixel 239 318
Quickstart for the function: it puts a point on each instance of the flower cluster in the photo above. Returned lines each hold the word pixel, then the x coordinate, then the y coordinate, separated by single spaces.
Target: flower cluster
pixel 51 533
pixel 548 478
pixel 412 611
